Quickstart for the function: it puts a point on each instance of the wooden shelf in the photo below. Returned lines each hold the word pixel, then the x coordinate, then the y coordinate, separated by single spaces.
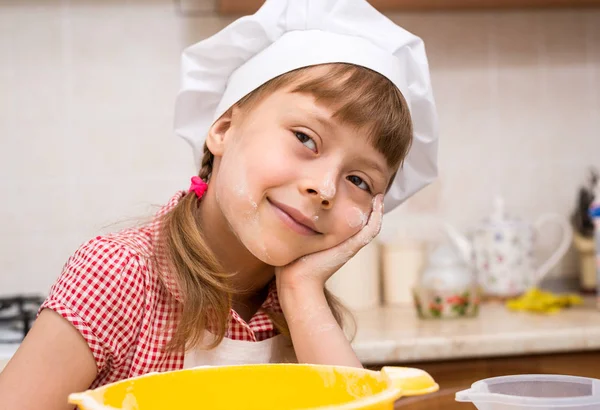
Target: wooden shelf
pixel 250 6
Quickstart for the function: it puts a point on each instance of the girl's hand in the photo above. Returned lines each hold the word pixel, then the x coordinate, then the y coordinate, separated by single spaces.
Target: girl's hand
pixel 316 335
pixel 313 270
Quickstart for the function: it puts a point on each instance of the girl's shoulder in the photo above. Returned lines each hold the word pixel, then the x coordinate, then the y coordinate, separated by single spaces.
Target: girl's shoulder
pixel 103 291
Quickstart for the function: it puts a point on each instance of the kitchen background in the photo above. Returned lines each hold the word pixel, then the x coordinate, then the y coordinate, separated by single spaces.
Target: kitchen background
pixel 86 107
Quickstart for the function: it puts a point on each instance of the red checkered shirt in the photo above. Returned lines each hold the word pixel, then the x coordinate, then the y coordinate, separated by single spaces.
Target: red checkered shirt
pixel 111 291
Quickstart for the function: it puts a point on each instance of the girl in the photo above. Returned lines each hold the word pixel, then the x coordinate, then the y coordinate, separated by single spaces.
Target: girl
pixel 302 117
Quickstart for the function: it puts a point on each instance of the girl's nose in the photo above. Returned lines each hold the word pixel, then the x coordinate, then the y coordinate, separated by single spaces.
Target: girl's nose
pixel 326 201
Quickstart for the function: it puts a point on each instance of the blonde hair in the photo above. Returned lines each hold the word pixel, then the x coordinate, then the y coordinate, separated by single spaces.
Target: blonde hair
pixel 359 97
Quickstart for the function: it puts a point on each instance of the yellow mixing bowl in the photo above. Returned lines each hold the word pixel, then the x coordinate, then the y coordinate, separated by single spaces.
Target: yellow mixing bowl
pixel 264 387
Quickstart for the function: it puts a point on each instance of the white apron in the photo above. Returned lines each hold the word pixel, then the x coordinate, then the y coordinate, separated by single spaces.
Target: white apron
pixel 277 349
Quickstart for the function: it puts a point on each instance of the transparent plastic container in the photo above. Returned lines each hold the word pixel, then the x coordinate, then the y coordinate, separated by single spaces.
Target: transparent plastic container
pixel 533 391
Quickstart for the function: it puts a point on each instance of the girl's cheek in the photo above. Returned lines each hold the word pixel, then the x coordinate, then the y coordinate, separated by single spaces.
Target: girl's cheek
pixel 356 217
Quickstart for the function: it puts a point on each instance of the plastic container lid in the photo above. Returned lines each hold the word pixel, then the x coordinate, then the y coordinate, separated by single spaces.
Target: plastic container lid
pixel 534 391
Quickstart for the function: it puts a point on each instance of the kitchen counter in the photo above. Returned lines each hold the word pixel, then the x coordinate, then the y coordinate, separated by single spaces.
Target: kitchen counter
pixel 395 334
pixel 6 352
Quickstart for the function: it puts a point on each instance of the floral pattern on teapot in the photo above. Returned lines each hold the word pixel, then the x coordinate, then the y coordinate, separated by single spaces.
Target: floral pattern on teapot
pixel 503 258
pixel 501 251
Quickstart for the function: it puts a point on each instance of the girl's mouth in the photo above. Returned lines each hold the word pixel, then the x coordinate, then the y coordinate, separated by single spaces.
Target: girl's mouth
pixel 294 219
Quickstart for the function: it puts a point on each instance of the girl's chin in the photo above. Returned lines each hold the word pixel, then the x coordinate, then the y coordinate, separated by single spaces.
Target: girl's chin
pixel 271 258
pixel 271 254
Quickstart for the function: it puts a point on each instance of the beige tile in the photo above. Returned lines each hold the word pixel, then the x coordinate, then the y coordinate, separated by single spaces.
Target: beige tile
pixel 7 37
pixel 528 189
pixel 99 33
pixel 453 40
pixel 101 204
pixel 428 200
pixel 100 149
pixel 32 76
pixel 467 193
pixel 564 36
pixel 593 50
pixel 38 274
pixel 8 108
pixel 38 150
pixel 566 179
pixel 31 4
pixel 122 93
pixel 10 153
pixel 569 110
pixel 12 256
pixel 36 205
pixel 39 93
pixel 158 151
pixel 149 194
pixel 592 29
pixel 467 116
pixel 108 205
pixel 191 8
pixel 194 29
pixel 519 111
pixel 516 38
pixel 35 32
pixel 120 33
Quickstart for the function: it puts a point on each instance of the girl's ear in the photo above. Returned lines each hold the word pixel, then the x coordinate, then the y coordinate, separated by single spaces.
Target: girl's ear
pixel 217 134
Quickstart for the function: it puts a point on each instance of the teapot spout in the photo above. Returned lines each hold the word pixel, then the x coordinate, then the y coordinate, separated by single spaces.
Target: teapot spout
pixel 460 241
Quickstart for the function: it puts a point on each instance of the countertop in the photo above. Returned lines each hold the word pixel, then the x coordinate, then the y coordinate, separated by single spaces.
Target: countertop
pixel 6 352
pixel 396 335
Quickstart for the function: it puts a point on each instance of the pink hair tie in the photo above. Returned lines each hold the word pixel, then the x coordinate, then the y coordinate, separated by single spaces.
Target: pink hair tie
pixel 198 186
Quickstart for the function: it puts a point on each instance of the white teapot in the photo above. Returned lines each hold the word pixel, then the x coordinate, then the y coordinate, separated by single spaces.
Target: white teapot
pixel 502 251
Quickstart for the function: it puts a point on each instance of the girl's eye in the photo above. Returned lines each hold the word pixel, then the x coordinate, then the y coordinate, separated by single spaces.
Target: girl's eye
pixel 306 140
pixel 359 182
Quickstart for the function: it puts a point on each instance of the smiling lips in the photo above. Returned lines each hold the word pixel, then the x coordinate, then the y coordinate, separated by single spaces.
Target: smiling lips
pixel 294 219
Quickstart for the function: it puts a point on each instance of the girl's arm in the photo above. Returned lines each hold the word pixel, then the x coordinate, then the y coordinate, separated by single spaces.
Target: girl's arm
pixel 316 335
pixel 53 361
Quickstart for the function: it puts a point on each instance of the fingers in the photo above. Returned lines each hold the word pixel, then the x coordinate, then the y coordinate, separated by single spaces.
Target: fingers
pixel 371 229
pixel 334 258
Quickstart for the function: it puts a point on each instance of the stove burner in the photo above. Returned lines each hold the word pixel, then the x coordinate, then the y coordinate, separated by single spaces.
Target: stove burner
pixel 17 313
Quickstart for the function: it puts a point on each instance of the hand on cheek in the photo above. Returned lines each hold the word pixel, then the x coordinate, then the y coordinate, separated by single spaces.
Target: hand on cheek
pixel 314 269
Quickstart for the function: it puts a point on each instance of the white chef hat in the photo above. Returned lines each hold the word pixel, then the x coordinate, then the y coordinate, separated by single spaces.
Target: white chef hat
pixel 285 35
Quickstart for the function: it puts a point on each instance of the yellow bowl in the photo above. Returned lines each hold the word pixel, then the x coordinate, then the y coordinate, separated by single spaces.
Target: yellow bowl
pixel 264 387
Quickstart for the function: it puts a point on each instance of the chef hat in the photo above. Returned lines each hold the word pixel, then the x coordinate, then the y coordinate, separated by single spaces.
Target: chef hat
pixel 285 35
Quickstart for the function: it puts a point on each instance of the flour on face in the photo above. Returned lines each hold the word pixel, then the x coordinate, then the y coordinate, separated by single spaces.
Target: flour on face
pixel 355 218
pixel 327 187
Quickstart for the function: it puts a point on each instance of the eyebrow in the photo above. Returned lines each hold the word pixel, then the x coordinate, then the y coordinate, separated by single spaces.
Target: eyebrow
pixel 328 123
pixel 373 164
pixel 323 120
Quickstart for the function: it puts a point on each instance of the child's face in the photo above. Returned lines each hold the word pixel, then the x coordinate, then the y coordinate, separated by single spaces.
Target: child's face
pixel 291 180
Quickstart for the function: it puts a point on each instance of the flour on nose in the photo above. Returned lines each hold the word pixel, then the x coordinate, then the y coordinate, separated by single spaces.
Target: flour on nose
pixel 328 186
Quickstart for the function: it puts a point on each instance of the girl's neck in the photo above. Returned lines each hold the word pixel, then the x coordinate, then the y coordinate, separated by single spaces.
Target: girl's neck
pixel 252 275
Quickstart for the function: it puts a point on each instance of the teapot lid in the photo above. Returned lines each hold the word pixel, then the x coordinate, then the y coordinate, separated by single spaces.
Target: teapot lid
pixel 444 255
pixel 499 216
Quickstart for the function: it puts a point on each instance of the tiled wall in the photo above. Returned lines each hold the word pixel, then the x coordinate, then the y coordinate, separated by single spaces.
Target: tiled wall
pixel 87 89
